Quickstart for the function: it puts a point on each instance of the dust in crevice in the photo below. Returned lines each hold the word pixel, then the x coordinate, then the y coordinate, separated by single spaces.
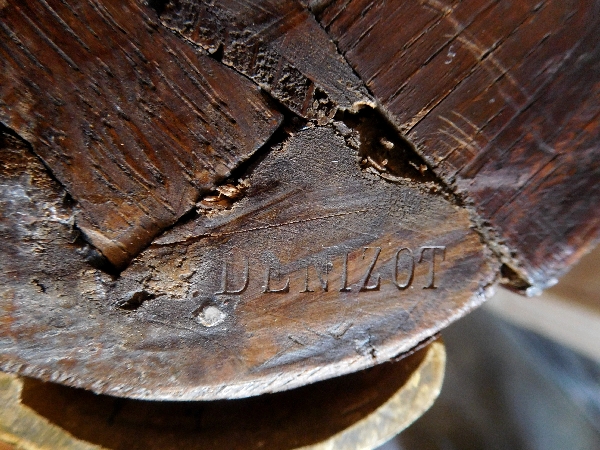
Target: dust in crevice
pixel 135 300
pixel 381 147
pixel 94 257
pixel 234 187
pixel 218 54
pixel 514 276
pixel 230 191
pixel 510 279
pixel 384 152
pixel 224 196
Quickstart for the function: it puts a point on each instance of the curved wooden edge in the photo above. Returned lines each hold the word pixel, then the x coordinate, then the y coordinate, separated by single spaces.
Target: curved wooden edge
pixel 23 427
pixel 153 339
pixel 404 407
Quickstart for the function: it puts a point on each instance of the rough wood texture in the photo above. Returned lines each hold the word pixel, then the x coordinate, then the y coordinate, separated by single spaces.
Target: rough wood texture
pixel 374 267
pixel 502 98
pixel 132 120
pixel 279 45
pixel 336 248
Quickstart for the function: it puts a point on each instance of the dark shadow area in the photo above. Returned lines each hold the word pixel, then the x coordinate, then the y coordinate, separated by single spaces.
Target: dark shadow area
pixel 384 148
pixel 157 5
pixel 285 420
pixel 512 280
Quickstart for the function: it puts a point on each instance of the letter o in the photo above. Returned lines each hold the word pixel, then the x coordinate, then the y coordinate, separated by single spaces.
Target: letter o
pixel 411 272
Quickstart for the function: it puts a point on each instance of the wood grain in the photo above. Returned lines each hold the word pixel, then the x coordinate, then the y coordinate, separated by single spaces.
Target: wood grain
pixel 335 248
pixel 136 123
pixel 276 43
pixel 330 269
pixel 502 98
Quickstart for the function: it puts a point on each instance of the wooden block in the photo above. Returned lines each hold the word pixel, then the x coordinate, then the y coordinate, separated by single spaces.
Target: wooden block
pixel 279 45
pixel 322 268
pixel 502 100
pixel 136 123
pixel 249 256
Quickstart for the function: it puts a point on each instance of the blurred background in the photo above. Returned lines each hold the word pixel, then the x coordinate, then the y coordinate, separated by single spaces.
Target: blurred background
pixel 522 373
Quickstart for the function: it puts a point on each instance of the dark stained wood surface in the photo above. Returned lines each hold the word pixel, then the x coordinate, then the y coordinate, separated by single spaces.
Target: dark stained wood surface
pixel 135 122
pixel 336 247
pixel 330 269
pixel 502 98
pixel 279 45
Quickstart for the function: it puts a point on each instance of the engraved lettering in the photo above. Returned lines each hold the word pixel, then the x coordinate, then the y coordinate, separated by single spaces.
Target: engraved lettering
pixel 306 288
pixel 224 288
pixel 365 279
pixel 411 270
pixel 345 287
pixel 402 276
pixel 433 248
pixel 267 286
pixel 324 282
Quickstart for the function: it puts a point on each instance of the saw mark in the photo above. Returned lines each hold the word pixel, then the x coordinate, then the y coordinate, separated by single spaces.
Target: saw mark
pixel 263 227
pixel 282 224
